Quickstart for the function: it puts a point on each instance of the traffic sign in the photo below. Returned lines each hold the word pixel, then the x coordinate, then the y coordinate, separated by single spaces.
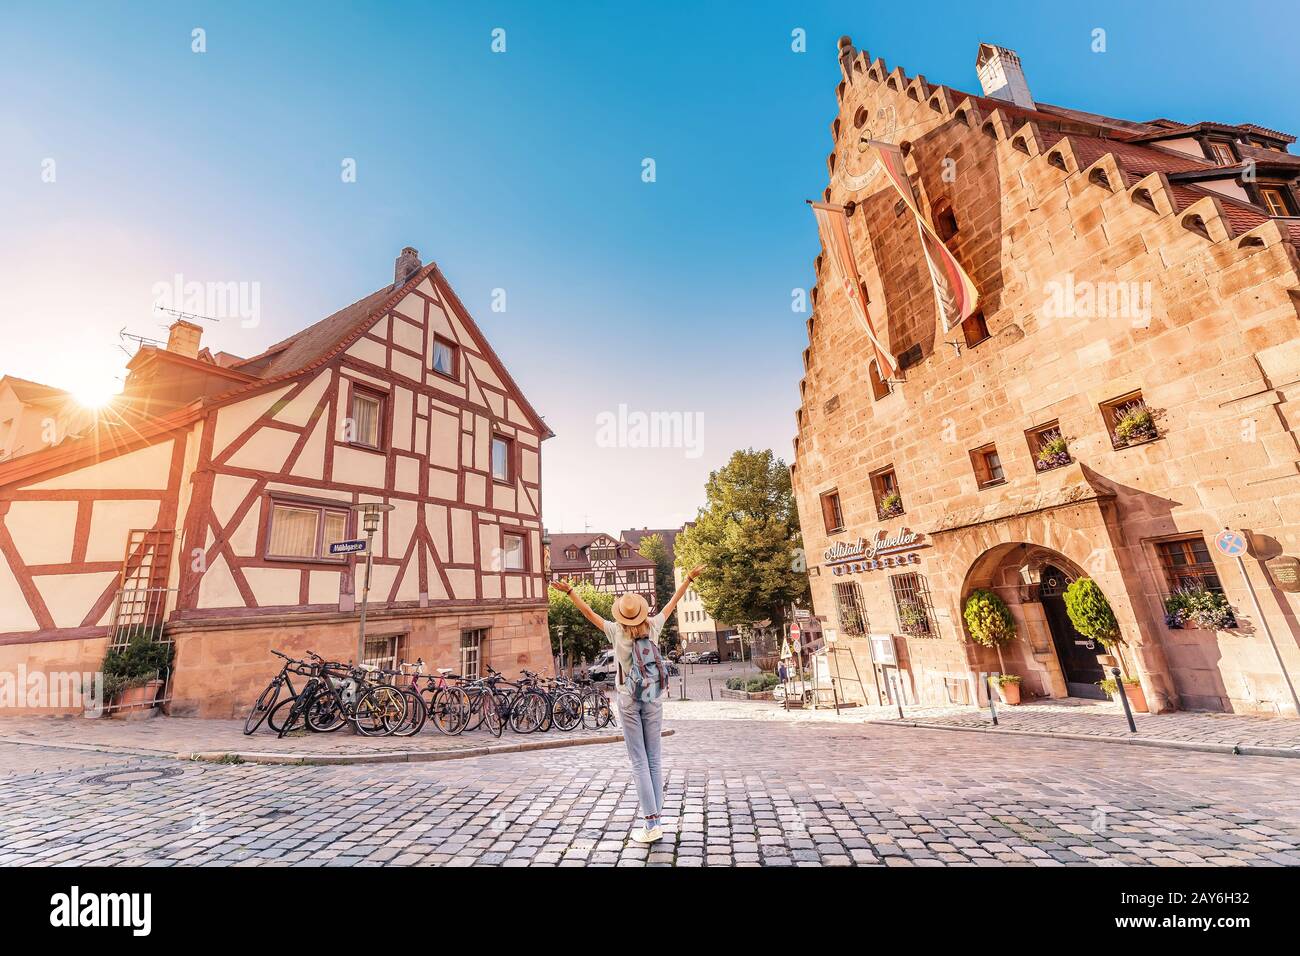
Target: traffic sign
pixel 1229 542
pixel 348 547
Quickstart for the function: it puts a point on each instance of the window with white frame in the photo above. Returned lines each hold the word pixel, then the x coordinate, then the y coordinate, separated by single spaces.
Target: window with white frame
pixel 304 530
pixel 366 417
pixel 502 449
pixel 471 652
pixel 512 552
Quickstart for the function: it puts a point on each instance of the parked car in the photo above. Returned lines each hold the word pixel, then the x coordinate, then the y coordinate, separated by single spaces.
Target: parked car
pixel 709 657
pixel 603 667
pixel 690 657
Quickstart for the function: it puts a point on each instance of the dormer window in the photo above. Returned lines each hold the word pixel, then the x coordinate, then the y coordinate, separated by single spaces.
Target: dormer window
pixel 1222 154
pixel 1274 200
pixel 571 554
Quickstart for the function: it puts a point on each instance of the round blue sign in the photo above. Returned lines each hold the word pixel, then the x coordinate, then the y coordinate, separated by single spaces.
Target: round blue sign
pixel 1231 543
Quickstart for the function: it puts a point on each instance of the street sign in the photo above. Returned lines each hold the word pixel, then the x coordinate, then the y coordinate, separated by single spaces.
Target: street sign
pixel 794 632
pixel 785 651
pixel 348 547
pixel 1230 543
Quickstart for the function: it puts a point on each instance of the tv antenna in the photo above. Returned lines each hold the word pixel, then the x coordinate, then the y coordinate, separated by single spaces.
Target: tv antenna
pixel 139 340
pixel 190 316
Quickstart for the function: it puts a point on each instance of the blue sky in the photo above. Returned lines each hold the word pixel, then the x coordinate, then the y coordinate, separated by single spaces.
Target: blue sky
pixel 518 171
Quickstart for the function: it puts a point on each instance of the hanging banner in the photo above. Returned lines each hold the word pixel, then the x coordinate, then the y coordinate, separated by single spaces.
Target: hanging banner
pixel 955 294
pixel 833 224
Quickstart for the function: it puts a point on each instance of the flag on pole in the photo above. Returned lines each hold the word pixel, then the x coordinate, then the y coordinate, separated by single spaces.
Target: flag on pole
pixel 833 224
pixel 955 294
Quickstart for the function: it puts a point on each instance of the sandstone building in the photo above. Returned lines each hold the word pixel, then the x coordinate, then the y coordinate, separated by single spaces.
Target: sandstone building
pixel 1129 387
pixel 203 503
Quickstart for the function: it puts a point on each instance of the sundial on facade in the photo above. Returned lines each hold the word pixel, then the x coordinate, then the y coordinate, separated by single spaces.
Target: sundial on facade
pixel 860 166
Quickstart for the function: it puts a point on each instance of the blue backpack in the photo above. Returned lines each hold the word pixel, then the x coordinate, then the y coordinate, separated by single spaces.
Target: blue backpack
pixel 648 677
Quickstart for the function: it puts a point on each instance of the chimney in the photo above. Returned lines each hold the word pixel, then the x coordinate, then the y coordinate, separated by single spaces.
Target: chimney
pixel 408 263
pixel 183 338
pixel 1001 76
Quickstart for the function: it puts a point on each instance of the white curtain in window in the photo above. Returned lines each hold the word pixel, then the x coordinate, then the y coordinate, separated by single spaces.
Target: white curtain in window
pixel 512 545
pixel 365 419
pixel 293 531
pixel 336 529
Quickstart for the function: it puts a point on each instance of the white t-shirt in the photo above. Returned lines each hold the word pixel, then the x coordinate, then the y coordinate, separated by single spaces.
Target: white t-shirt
pixel 623 644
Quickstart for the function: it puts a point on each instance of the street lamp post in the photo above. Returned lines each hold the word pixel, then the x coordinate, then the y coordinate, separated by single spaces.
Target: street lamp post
pixel 370 512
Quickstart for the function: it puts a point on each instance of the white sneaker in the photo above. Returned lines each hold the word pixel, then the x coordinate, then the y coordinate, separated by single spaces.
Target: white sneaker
pixel 642 835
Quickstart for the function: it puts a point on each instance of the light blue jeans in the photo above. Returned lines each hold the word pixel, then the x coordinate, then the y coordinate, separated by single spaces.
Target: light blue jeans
pixel 642 722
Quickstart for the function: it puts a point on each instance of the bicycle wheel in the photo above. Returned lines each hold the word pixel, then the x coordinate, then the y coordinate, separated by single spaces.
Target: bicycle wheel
pixel 325 714
pixel 380 711
pixel 492 713
pixel 287 715
pixel 604 713
pixel 566 711
pixel 528 712
pixel 262 709
pixel 449 710
pixel 416 715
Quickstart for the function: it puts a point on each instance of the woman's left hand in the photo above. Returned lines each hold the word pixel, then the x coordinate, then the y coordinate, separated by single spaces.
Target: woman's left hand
pixel 694 572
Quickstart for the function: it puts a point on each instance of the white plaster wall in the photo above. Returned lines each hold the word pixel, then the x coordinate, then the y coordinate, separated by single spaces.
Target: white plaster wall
pixel 43 530
pixel 143 468
pixel 70 597
pixel 111 523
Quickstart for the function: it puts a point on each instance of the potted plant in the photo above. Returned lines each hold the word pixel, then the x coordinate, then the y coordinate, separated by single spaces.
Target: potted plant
pixel 1137 700
pixel 1134 424
pixel 890 504
pixel 1194 605
pixel 1091 615
pixel 989 621
pixel 134 673
pixel 1053 453
pixel 912 617
pixel 1009 688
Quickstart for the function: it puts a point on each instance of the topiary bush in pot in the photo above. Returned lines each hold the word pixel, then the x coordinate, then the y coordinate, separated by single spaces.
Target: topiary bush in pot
pixel 989 621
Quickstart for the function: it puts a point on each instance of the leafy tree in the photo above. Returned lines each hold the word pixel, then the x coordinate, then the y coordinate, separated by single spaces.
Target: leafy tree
pixel 1090 613
pixel 581 639
pixel 989 621
pixel 747 537
pixel 654 548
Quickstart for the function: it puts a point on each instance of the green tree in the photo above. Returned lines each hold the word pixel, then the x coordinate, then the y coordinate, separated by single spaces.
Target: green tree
pixel 581 639
pixel 989 621
pixel 747 537
pixel 654 548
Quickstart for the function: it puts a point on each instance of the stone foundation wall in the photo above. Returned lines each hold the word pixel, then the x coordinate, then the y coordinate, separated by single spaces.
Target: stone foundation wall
pixel 220 671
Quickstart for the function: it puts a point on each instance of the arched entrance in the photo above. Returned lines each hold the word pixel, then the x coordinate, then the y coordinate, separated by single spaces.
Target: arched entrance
pixel 1076 654
pixel 1053 658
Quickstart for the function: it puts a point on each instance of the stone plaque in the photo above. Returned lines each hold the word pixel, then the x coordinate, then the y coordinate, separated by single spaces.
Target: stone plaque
pixel 1285 572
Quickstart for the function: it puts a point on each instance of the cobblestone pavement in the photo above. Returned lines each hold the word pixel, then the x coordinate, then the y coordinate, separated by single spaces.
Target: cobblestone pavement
pixel 739 792
pixel 1090 718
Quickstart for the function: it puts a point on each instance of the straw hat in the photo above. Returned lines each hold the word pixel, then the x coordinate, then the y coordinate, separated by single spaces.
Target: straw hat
pixel 630 609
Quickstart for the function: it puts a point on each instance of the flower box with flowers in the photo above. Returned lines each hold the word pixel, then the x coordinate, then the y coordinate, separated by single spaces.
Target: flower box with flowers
pixel 1135 423
pixel 1197 607
pixel 890 505
pixel 1053 453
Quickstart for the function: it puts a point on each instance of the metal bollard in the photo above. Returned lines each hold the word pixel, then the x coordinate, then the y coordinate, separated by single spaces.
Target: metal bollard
pixel 1123 697
pixel 710 688
pixel 993 709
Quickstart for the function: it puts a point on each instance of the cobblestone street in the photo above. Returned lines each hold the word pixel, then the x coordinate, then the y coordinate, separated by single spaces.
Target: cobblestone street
pixel 740 792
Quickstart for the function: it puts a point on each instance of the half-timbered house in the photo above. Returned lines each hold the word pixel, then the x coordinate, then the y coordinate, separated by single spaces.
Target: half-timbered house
pixel 204 503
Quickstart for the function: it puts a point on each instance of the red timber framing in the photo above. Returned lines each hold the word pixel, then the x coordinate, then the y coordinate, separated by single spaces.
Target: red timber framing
pixel 450 519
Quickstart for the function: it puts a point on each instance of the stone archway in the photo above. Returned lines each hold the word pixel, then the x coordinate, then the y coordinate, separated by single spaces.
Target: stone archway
pixel 1053 658
pixel 1081 532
